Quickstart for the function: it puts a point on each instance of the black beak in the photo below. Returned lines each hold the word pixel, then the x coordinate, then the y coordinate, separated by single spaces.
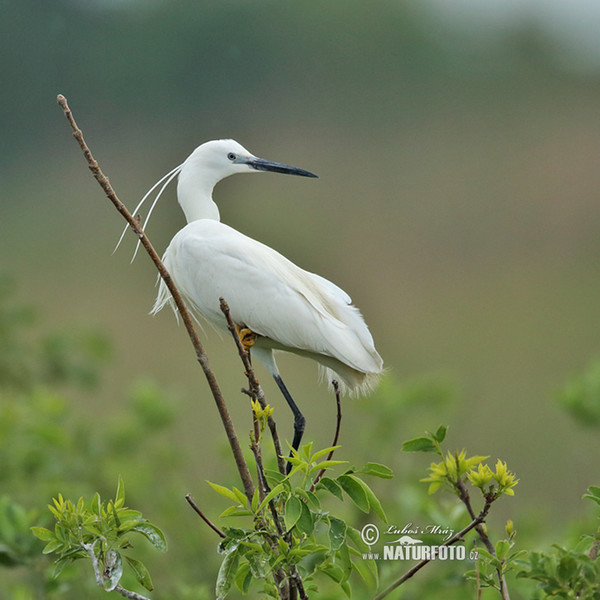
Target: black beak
pixel 265 165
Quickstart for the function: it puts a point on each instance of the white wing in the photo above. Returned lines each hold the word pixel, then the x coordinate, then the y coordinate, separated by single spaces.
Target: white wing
pixel 267 293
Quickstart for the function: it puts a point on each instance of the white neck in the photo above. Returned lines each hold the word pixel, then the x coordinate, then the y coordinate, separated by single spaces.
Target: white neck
pixel 194 193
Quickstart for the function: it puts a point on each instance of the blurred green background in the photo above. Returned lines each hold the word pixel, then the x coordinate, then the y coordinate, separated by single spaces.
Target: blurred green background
pixel 457 203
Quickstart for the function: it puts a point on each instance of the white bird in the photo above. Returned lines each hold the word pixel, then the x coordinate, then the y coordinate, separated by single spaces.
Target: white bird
pixel 276 304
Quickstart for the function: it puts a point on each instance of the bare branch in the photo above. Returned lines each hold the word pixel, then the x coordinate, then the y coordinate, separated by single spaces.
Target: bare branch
pixel 185 315
pixel 336 436
pixel 189 500
pixel 476 522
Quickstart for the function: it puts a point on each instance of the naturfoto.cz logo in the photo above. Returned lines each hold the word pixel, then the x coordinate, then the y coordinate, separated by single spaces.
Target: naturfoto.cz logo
pixel 407 547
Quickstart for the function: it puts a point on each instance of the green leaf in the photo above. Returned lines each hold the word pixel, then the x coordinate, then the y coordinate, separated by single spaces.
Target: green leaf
pixel 226 492
pixel 306 450
pixel 355 537
pixel 420 444
pixel 154 535
pixel 317 455
pixel 51 546
pixel 502 548
pixel 373 501
pixel 434 487
pixel 337 533
pixel 240 496
pixel 367 569
pixel 595 490
pixel 306 521
pixel 42 533
pixel 59 565
pixel 327 464
pixel 377 470
pixel 594 493
pixel 567 568
pixel 293 511
pixel 120 491
pixel 141 572
pixel 440 434
pixel 274 477
pixel 343 561
pixel 236 511
pixel 130 515
pixel 352 486
pixel 332 486
pixel 274 492
pixel 259 564
pixel 313 501
pixel 227 572
pixel 96 504
pixel 243 578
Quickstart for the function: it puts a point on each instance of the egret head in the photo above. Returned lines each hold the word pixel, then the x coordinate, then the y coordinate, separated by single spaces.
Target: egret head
pixel 218 159
pixel 202 170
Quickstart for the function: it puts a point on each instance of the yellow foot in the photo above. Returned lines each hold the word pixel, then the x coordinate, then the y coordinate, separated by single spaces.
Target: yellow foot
pixel 247 337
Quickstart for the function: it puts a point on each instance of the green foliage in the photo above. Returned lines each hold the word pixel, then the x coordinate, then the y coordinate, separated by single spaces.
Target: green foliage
pixel 453 473
pixel 17 546
pixel 455 469
pixel 567 573
pixel 292 530
pixel 49 441
pixel 99 530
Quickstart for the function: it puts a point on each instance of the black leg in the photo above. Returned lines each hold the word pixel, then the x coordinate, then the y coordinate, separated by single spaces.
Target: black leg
pixel 299 420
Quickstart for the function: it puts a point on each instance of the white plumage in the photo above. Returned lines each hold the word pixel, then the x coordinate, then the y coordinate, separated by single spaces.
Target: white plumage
pixel 287 307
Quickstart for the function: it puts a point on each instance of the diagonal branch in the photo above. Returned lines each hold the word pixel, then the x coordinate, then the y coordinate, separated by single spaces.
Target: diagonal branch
pixel 201 355
pixel 190 501
pixel 476 522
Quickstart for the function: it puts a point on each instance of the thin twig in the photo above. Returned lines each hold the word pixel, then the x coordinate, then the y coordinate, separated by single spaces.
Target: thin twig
pixel 336 436
pixel 480 518
pixel 185 315
pixel 483 536
pixel 189 500
pixel 255 390
pixel 128 593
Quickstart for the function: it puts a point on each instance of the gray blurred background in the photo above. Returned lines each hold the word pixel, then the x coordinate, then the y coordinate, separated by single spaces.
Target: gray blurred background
pixel 458 148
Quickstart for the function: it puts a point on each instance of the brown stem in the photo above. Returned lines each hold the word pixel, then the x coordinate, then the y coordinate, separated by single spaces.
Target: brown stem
pixel 336 436
pixel 255 390
pixel 189 500
pixel 474 523
pixel 483 536
pixel 185 315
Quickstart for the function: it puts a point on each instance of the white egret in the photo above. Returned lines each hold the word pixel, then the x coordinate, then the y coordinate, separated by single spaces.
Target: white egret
pixel 275 304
